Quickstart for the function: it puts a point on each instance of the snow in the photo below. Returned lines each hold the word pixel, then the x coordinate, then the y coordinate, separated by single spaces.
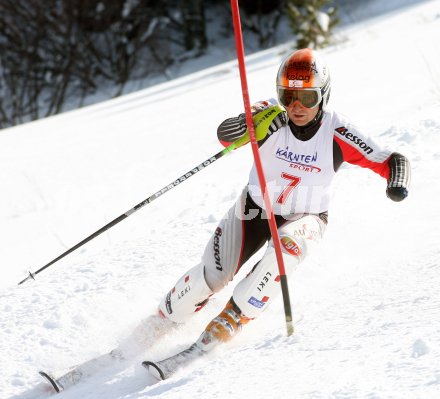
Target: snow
pixel 368 299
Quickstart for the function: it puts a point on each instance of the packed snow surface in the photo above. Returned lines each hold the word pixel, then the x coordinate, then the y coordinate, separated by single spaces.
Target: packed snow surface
pixel 368 300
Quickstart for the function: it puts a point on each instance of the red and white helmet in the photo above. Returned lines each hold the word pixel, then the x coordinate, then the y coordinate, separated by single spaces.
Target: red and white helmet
pixel 303 76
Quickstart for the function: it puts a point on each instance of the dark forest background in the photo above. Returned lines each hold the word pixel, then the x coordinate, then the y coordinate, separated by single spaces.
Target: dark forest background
pixel 56 53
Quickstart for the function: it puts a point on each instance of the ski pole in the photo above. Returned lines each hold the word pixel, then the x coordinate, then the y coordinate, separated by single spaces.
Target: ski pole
pixel 271 219
pixel 125 215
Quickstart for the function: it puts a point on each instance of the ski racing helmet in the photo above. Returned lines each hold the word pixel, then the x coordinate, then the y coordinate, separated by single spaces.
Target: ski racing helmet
pixel 305 77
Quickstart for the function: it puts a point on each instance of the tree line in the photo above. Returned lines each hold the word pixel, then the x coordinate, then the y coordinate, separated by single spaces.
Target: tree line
pixel 56 53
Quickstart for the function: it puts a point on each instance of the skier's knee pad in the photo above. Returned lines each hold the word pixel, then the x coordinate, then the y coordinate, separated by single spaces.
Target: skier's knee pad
pixel 255 292
pixel 189 295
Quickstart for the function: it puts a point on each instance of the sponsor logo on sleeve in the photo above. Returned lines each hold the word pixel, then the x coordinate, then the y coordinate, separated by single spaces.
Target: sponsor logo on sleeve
pixel 343 131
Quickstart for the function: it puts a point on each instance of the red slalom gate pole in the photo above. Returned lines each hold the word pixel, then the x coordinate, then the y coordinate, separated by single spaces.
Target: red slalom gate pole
pixel 259 166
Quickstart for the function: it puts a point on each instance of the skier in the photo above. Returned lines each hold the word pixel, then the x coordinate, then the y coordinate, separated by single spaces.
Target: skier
pixel 301 152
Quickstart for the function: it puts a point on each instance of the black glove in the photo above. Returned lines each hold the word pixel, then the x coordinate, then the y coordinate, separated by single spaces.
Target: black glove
pixel 400 173
pixel 232 129
pixel 279 121
pixel 397 193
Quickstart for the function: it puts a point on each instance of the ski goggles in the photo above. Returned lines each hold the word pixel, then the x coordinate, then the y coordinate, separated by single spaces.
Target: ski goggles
pixel 309 98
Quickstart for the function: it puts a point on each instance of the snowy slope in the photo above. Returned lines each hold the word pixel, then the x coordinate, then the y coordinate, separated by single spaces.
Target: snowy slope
pixel 369 298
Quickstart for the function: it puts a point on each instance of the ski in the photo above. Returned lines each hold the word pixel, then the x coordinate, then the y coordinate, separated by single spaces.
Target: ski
pixel 67 377
pixel 52 381
pixel 165 368
pixel 143 337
